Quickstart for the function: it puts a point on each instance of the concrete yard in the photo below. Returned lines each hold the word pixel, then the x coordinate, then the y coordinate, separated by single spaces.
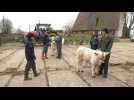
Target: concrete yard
pixel 61 72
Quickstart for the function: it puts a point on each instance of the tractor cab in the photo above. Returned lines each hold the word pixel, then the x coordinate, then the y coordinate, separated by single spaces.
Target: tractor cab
pixel 43 28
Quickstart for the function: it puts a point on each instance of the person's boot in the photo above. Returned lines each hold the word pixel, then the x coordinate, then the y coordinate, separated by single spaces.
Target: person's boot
pixel 27 78
pixel 43 57
pixel 99 73
pixel 37 74
pixel 105 76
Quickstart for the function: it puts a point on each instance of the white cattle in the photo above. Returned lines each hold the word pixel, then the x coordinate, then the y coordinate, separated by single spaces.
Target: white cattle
pixel 63 40
pixel 53 45
pixel 90 57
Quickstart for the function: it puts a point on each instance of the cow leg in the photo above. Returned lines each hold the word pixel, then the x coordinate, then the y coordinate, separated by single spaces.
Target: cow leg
pixel 85 63
pixel 79 65
pixel 97 69
pixel 93 71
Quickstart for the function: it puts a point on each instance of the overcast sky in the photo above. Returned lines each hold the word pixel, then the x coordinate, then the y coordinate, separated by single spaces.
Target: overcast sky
pixel 23 19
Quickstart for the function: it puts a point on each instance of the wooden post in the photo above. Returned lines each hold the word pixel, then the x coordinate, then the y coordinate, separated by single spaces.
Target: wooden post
pixel 0 41
pixel 29 27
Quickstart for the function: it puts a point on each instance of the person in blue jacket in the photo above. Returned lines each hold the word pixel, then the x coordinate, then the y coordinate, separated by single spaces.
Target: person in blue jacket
pixel 30 57
pixel 59 45
pixel 46 43
pixel 94 41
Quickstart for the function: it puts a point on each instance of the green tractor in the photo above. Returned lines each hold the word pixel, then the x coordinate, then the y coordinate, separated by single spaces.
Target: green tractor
pixel 42 29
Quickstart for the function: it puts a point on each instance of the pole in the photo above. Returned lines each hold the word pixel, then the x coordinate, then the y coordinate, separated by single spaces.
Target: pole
pixel 29 27
pixel 3 30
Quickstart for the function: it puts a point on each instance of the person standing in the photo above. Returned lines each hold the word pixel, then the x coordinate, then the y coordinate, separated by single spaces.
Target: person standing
pixel 59 45
pixel 94 41
pixel 30 57
pixel 105 45
pixel 46 42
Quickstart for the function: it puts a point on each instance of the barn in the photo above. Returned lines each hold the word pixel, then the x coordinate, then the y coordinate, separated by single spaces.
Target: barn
pixel 88 21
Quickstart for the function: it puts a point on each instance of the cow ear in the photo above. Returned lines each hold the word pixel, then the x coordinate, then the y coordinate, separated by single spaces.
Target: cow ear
pixel 95 53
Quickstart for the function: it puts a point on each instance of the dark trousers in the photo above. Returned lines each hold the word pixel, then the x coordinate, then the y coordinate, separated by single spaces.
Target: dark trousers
pixel 45 50
pixel 59 47
pixel 104 66
pixel 30 64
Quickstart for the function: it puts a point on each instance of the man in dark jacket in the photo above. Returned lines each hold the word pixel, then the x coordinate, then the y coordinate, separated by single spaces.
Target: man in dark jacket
pixel 59 45
pixel 30 57
pixel 46 43
pixel 105 45
pixel 94 41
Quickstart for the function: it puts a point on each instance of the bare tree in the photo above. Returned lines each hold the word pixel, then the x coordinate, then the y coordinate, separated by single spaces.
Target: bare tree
pixel 125 28
pixel 128 24
pixel 19 30
pixel 131 23
pixel 68 27
pixel 6 26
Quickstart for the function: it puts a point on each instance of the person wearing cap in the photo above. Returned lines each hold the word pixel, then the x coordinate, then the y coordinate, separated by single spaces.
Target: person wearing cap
pixel 105 45
pixel 30 56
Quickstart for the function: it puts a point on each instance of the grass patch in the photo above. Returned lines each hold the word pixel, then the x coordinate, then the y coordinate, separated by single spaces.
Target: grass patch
pixel 77 39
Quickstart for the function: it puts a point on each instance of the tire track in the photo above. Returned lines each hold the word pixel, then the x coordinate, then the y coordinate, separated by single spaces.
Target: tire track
pixel 46 75
pixel 120 80
pixel 70 66
pixel 13 75
pixel 8 56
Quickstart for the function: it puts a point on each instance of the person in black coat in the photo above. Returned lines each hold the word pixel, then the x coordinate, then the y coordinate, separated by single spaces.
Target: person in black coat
pixel 105 45
pixel 46 42
pixel 30 57
pixel 94 41
pixel 59 45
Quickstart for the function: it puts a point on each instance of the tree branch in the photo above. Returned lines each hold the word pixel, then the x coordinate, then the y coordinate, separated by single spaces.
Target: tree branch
pixel 132 28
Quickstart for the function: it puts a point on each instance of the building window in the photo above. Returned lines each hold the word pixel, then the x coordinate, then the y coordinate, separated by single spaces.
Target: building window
pixel 92 21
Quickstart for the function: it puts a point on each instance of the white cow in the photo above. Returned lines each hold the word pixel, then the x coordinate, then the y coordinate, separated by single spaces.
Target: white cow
pixel 63 40
pixel 90 57
pixel 53 45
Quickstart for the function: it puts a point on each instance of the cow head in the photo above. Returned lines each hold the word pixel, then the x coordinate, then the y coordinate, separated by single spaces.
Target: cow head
pixel 101 55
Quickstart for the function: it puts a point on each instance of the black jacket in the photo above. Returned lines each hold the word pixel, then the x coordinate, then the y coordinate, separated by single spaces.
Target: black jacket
pixel 106 44
pixel 58 39
pixel 94 42
pixel 29 50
